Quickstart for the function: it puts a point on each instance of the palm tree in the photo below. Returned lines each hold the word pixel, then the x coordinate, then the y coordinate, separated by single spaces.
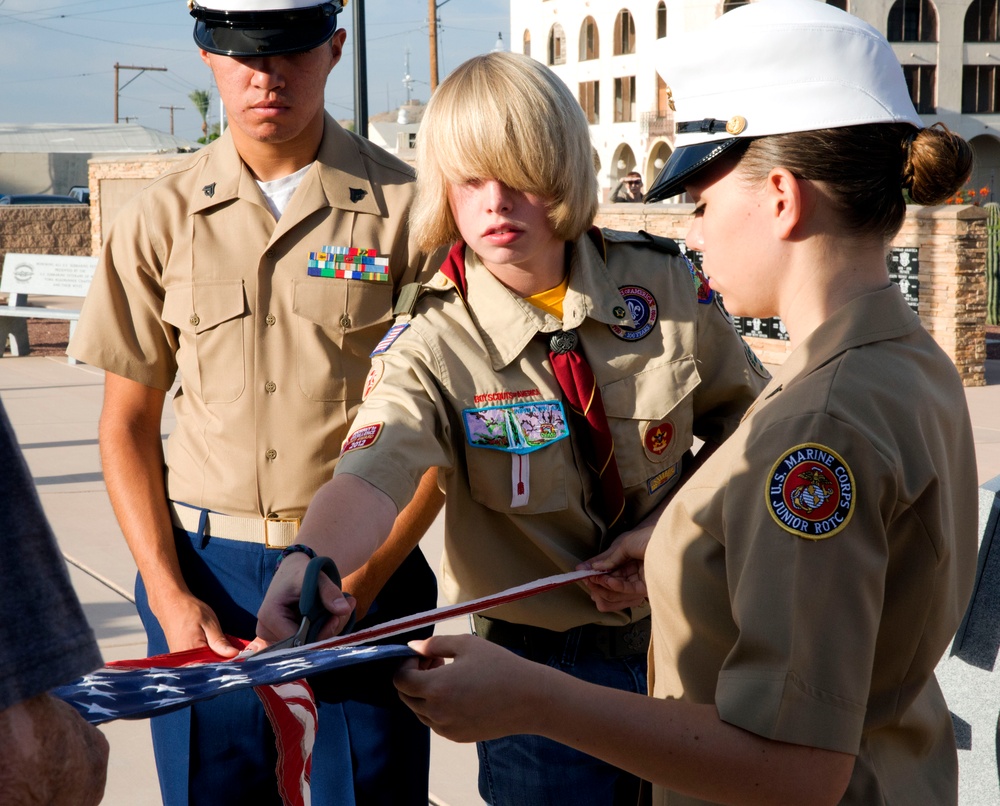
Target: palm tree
pixel 201 101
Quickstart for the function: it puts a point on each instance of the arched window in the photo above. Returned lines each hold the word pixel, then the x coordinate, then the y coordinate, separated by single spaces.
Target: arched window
pixel 912 21
pixel 661 20
pixel 557 45
pixel 981 21
pixel 589 45
pixel 526 43
pixel 624 33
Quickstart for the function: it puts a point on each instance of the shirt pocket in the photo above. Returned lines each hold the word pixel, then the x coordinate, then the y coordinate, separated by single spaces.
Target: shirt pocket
pixel 339 322
pixel 211 318
pixel 651 418
pixel 494 476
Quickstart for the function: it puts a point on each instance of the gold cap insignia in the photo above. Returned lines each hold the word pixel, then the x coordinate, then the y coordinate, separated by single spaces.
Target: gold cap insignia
pixel 736 124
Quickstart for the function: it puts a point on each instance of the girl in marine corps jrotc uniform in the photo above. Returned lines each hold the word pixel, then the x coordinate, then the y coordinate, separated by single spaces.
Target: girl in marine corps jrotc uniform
pixel 805 582
pixel 470 380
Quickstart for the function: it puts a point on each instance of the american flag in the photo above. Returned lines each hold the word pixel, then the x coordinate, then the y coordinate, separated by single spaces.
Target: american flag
pixel 146 687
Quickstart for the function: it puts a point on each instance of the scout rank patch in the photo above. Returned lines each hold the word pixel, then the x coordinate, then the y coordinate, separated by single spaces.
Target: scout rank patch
pixel 363 437
pixel 642 307
pixel 348 263
pixel 657 439
pixel 810 492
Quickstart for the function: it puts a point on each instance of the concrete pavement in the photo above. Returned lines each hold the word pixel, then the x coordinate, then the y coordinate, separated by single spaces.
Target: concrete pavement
pixel 54 407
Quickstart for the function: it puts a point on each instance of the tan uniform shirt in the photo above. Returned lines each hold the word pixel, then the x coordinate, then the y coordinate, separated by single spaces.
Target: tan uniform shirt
pixel 810 575
pixel 197 277
pixel 679 371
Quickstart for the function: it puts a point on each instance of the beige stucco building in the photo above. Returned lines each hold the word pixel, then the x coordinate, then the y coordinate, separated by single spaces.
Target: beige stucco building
pixel 949 49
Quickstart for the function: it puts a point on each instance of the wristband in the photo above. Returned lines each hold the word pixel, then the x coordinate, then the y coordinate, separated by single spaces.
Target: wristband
pixel 294 549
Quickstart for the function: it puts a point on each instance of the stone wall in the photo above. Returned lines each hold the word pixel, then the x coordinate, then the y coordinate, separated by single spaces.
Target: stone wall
pixel 45 229
pixel 951 242
pixel 952 256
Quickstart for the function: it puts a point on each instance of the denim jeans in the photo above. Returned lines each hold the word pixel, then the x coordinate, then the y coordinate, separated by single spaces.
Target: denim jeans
pixel 526 770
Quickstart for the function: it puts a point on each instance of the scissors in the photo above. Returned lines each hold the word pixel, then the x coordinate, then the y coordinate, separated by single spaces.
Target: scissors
pixel 314 615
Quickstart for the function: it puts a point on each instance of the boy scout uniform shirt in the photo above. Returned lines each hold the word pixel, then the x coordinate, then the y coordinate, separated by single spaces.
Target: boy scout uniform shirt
pixel 676 370
pixel 809 577
pixel 198 277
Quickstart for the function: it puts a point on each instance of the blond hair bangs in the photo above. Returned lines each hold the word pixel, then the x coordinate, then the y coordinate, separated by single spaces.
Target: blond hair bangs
pixel 505 117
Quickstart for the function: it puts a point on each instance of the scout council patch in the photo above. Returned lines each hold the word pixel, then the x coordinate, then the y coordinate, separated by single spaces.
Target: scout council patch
pixel 363 437
pixel 701 286
pixel 810 492
pixel 642 307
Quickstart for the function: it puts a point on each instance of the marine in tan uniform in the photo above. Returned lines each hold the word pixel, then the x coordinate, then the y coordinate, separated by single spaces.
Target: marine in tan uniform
pixel 225 272
pixel 806 580
pixel 464 382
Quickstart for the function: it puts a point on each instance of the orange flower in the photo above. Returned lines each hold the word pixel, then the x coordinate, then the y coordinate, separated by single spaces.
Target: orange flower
pixel 984 191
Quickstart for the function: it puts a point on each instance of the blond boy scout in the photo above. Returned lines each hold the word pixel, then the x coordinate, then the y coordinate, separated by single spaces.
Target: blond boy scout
pixel 238 271
pixel 466 381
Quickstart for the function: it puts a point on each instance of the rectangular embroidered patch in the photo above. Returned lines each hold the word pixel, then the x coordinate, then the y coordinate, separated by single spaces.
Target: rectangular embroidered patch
pixel 520 428
pixel 393 333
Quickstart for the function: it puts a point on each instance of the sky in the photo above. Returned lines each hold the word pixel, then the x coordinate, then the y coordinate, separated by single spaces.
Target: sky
pixel 57 59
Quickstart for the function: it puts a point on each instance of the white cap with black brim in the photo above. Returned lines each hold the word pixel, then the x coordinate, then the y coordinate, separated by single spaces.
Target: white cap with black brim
pixel 249 28
pixel 774 67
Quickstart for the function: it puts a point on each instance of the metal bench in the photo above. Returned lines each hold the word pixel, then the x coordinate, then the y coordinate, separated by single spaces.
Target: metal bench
pixel 47 275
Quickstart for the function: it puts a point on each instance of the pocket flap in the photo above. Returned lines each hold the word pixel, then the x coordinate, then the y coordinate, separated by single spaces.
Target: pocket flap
pixel 197 307
pixel 326 301
pixel 653 393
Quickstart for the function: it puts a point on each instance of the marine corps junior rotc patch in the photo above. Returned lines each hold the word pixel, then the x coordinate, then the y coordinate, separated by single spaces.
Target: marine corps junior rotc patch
pixel 810 492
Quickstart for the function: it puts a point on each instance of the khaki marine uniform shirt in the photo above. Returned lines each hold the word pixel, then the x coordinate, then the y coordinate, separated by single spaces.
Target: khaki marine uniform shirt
pixel 809 577
pixel 198 278
pixel 673 369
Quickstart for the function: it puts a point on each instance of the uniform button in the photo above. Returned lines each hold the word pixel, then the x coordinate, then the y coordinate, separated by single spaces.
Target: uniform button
pixel 195 319
pixel 270 386
pixel 345 321
pixel 269 253
pixel 271 454
pixel 269 319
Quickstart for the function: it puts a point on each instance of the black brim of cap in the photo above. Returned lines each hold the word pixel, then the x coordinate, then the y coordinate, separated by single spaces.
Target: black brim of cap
pixel 243 41
pixel 687 161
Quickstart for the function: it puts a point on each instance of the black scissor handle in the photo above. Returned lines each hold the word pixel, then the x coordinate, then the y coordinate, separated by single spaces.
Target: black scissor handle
pixel 311 605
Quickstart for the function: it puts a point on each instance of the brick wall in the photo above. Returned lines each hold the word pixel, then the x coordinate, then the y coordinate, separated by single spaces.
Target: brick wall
pixel 45 229
pixel 952 258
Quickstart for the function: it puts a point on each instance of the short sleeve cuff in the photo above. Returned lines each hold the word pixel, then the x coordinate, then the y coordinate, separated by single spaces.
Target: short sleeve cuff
pixel 782 707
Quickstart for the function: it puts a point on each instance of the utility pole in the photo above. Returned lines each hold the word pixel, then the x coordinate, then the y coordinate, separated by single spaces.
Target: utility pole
pixel 130 67
pixel 172 108
pixel 432 18
pixel 360 70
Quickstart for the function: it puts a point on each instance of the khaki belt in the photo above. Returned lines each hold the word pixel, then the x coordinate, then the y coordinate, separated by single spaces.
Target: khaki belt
pixel 273 533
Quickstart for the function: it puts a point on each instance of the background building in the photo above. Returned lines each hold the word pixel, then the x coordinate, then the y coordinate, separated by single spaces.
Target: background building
pixel 949 49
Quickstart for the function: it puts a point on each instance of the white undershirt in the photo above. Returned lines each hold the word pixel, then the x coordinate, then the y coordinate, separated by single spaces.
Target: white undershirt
pixel 279 192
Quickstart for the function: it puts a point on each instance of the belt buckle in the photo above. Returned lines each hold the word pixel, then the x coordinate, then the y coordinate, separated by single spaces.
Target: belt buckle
pixel 267 531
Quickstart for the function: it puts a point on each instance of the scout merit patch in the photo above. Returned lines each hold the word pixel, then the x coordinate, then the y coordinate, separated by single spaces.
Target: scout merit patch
pixel 642 307
pixel 349 263
pixel 657 439
pixel 363 437
pixel 810 492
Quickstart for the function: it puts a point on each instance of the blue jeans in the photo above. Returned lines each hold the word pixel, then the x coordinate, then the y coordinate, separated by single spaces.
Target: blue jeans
pixel 367 753
pixel 531 770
